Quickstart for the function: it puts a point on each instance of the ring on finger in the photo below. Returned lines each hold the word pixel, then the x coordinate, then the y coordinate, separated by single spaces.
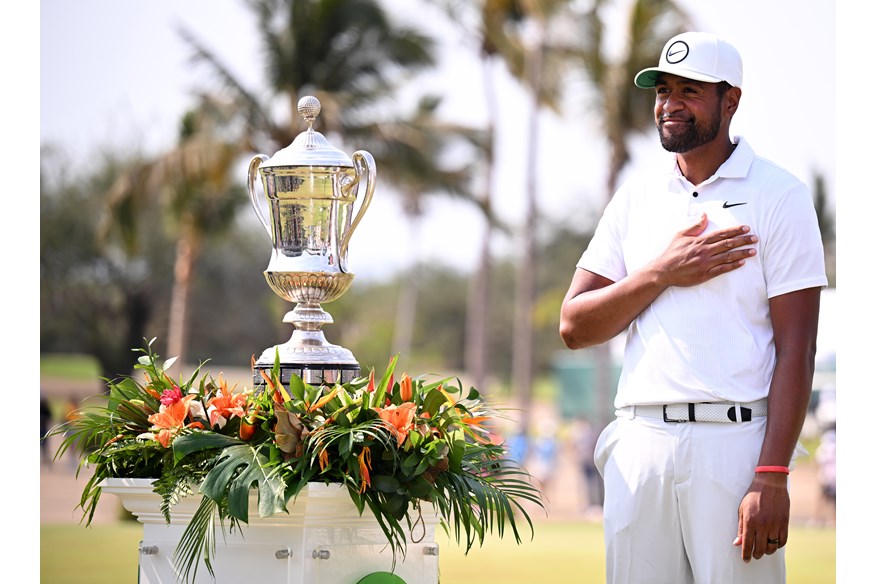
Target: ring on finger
pixel 773 541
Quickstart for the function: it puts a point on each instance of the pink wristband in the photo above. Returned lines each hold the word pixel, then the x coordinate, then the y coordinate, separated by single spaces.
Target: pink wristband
pixel 781 469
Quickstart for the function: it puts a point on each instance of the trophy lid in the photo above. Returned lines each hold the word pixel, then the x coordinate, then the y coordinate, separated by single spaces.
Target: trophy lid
pixel 310 148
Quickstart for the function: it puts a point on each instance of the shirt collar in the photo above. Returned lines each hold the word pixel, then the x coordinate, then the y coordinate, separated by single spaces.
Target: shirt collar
pixel 734 167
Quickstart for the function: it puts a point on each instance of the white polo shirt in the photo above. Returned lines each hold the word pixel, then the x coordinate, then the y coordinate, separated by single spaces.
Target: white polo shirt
pixel 713 341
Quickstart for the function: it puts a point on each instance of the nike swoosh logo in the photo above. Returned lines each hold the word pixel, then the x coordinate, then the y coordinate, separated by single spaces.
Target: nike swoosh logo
pixel 675 52
pixel 727 205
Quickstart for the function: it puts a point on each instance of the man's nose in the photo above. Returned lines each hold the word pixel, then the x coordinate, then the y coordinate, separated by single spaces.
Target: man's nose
pixel 672 102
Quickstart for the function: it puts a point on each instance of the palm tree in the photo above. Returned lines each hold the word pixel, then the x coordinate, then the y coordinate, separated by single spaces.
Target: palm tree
pixel 350 56
pixel 535 52
pixel 517 33
pixel 97 294
pixel 346 53
pixel 484 24
pixel 624 109
pixel 193 182
pixel 417 146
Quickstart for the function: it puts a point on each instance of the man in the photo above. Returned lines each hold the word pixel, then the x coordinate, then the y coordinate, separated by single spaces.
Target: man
pixel 714 270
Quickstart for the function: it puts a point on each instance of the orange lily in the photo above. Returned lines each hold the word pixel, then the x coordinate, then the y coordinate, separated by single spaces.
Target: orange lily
pixel 406 388
pixel 364 465
pixel 225 406
pixel 171 420
pixel 371 386
pixel 398 419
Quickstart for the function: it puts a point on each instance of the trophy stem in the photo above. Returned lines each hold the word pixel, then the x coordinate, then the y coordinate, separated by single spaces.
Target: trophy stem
pixel 308 316
pixel 307 353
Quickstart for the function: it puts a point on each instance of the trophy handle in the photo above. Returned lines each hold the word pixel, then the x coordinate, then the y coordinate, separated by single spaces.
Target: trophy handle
pixel 364 162
pixel 252 175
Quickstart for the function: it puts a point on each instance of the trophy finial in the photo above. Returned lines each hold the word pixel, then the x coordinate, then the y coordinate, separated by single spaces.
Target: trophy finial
pixel 309 107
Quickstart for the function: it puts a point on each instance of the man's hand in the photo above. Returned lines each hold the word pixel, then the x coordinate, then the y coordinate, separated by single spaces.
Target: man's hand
pixel 763 516
pixel 692 258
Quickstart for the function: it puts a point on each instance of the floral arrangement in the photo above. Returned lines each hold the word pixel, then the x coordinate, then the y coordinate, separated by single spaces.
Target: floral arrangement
pixel 395 444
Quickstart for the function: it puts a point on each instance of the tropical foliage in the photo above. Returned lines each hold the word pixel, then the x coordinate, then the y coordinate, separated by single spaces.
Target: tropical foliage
pixel 397 444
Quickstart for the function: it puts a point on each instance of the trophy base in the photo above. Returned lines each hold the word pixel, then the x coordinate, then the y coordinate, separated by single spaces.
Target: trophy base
pixel 309 356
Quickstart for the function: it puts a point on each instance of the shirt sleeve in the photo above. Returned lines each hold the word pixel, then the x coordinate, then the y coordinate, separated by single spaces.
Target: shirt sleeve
pixel 604 254
pixel 793 254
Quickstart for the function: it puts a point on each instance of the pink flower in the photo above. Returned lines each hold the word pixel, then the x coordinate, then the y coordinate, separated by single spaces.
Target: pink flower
pixel 171 396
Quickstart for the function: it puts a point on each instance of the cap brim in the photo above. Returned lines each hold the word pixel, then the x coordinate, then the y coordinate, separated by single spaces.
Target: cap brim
pixel 647 78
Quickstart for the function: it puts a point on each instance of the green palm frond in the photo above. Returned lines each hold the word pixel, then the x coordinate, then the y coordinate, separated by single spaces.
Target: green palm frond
pixel 198 541
pixel 239 468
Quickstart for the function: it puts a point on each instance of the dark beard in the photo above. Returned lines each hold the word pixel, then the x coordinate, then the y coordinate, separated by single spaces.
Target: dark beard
pixel 695 136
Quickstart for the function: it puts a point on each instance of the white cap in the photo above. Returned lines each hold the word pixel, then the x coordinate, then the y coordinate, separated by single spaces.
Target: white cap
pixel 696 55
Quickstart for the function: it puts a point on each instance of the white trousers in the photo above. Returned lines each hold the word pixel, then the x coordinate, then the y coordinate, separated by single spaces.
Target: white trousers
pixel 672 494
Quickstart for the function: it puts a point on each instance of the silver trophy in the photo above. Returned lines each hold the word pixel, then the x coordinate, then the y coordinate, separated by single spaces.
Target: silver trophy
pixel 310 189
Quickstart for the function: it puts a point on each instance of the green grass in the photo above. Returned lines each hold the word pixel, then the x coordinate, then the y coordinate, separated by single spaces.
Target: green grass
pixel 569 552
pixel 74 367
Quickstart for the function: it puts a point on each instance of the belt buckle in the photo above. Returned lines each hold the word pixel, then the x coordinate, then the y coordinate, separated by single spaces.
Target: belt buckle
pixel 679 421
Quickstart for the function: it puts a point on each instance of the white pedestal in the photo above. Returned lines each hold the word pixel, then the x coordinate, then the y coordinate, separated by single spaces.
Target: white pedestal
pixel 322 540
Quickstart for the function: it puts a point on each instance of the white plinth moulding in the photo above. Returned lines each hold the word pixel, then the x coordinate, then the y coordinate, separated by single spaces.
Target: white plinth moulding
pixel 322 540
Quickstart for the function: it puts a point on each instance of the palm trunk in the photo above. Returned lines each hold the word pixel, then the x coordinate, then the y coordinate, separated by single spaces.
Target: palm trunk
pixel 186 253
pixel 406 306
pixel 526 270
pixel 478 310
pixel 603 379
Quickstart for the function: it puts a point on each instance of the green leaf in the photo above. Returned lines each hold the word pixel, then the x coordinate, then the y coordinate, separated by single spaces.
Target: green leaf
pixel 296 387
pixel 385 483
pixel 433 401
pixel 237 470
pixel 198 441
pixel 395 506
pixel 409 464
pixel 380 392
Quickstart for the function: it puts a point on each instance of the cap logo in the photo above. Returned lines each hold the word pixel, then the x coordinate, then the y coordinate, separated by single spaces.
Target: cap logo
pixel 677 52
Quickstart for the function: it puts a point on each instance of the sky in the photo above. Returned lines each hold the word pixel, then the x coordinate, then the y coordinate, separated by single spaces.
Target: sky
pixel 112 73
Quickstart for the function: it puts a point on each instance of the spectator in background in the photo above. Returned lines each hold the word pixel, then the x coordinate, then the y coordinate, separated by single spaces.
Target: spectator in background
pixel 825 457
pixel 545 450
pixel 45 425
pixel 71 414
pixel 586 436
pixel 518 448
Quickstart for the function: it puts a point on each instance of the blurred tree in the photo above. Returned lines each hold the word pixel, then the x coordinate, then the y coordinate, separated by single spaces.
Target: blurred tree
pixel 96 297
pixel 194 182
pixel 484 25
pixel 625 109
pixel 346 53
pixel 419 147
pixel 827 224
pixel 543 65
pixel 528 34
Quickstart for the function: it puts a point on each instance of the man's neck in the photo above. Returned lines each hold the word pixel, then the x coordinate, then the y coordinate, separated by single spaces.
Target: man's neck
pixel 699 164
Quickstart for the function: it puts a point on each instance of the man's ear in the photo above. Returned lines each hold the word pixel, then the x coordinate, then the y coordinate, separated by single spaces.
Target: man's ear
pixel 731 100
